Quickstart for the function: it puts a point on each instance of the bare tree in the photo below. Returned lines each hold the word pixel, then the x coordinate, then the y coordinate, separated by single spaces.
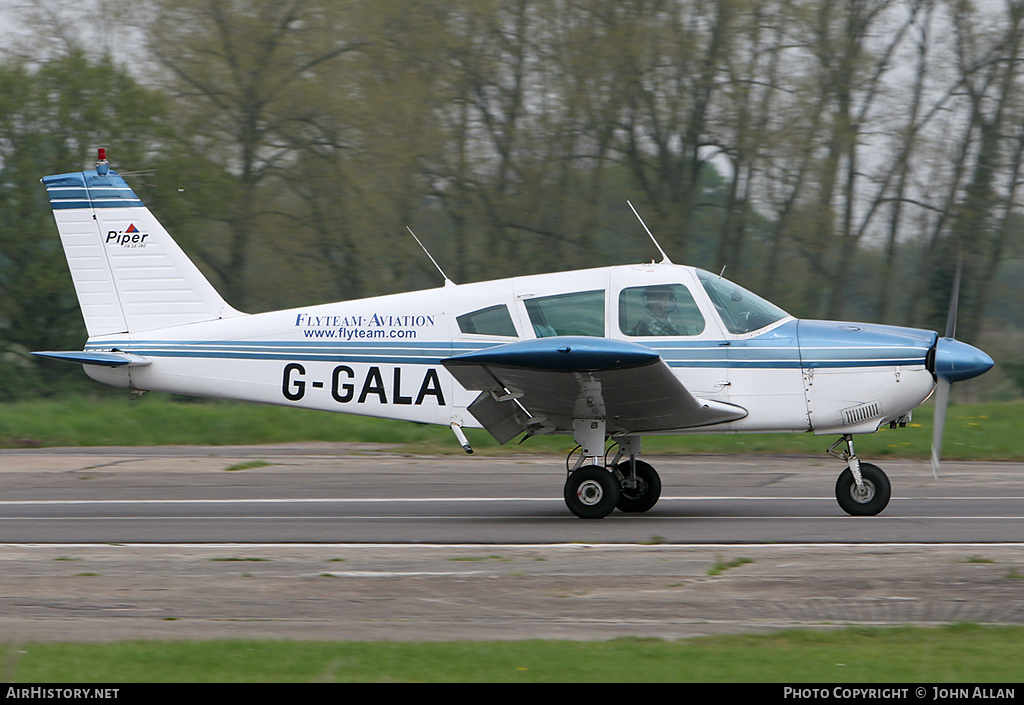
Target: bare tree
pixel 974 217
pixel 241 74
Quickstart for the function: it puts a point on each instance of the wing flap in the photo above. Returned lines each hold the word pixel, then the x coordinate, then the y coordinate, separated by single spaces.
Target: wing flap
pixel 502 420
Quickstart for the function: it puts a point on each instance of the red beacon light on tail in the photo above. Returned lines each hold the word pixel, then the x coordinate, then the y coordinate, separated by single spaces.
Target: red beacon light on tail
pixel 102 167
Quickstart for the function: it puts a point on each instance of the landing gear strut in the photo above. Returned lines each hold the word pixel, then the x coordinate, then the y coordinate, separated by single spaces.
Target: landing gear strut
pixel 862 488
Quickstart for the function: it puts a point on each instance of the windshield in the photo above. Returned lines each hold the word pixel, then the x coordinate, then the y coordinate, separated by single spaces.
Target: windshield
pixel 741 311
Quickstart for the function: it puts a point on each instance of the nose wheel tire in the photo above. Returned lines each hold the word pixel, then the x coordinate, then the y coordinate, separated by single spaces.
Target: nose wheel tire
pixel 641 494
pixel 868 500
pixel 591 492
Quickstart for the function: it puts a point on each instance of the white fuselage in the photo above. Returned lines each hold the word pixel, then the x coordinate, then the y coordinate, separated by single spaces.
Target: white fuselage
pixel 381 356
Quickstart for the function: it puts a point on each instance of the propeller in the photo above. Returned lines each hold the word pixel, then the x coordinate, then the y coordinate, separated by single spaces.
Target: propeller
pixel 953 362
pixel 941 402
pixel 942 383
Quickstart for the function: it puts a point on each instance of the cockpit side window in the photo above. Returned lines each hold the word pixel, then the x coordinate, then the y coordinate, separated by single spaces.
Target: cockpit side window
pixel 579 313
pixel 740 310
pixel 663 309
pixel 493 320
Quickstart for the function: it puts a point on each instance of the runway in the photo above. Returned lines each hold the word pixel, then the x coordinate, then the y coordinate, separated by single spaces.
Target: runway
pixel 340 542
pixel 334 493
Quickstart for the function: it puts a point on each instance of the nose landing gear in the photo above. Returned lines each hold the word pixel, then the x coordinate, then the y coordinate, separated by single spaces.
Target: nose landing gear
pixel 862 488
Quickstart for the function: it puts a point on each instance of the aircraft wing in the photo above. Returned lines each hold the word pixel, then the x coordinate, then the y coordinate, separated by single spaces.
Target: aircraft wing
pixel 540 386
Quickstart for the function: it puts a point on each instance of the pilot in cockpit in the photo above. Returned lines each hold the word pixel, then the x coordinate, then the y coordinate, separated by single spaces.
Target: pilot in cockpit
pixel 660 301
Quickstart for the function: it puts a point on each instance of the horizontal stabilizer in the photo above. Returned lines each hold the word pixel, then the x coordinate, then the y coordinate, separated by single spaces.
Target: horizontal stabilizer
pixel 101 358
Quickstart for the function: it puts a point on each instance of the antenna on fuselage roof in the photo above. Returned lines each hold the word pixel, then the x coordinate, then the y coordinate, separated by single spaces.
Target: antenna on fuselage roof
pixel 664 257
pixel 446 279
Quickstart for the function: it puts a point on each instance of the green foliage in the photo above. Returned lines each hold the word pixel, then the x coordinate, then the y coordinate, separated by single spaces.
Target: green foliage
pixel 52 118
pixel 1015 371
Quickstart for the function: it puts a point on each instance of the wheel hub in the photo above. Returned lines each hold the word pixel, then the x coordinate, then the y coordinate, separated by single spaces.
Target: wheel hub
pixel 863 494
pixel 634 487
pixel 590 493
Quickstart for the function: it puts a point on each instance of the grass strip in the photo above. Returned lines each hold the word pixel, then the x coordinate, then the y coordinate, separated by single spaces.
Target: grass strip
pixel 990 431
pixel 958 653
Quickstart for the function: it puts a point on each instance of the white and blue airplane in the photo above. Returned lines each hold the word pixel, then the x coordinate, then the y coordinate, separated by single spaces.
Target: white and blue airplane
pixel 606 354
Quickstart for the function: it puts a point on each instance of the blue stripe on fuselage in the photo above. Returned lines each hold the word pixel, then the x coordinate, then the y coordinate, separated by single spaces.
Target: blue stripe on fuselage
pixel 794 345
pixel 425 353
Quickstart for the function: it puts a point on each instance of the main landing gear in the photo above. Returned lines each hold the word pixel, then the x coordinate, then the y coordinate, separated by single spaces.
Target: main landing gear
pixel 593 489
pixel 862 488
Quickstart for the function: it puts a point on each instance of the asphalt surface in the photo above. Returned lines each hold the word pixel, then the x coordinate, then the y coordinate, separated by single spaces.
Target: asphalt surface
pixel 340 542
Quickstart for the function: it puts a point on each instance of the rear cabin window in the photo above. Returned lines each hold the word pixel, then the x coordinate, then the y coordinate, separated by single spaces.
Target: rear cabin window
pixel 493 320
pixel 663 309
pixel 580 313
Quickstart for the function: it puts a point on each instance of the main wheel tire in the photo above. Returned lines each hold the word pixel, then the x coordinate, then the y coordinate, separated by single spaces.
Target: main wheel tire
pixel 591 492
pixel 647 491
pixel 870 500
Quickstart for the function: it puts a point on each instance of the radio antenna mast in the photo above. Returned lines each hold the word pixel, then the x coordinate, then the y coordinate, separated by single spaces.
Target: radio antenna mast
pixel 664 257
pixel 446 279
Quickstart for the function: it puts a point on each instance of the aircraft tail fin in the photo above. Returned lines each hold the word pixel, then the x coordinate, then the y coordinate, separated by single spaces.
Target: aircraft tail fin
pixel 129 274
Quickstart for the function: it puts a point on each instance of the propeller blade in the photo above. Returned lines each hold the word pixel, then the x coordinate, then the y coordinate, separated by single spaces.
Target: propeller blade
pixel 941 404
pixel 942 385
pixel 954 299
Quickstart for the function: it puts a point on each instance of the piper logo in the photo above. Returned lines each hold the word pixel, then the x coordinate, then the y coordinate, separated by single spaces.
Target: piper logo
pixel 130 237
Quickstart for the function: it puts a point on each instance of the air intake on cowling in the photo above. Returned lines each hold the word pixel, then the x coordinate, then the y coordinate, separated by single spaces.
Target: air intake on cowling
pixel 859 414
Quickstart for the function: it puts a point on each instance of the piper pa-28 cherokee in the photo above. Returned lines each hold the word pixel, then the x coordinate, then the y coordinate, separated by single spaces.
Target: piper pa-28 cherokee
pixel 610 353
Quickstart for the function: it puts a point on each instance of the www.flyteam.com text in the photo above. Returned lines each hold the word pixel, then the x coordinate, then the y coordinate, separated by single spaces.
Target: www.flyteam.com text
pixel 358 333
